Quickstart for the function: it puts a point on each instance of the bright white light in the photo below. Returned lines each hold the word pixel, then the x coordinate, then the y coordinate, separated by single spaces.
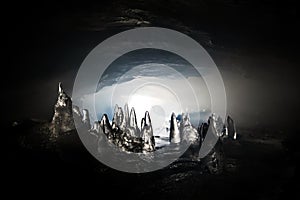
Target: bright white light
pixel 159 100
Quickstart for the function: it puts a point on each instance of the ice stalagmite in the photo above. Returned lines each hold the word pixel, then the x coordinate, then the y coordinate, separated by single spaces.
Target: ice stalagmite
pixel 105 126
pixel 174 131
pixel 126 115
pixel 231 128
pixel 86 118
pixel 62 120
pixel 133 128
pixel 147 133
pixel 118 119
pixel 188 132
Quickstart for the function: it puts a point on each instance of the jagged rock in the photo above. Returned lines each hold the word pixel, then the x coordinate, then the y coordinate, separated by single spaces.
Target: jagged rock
pixel 65 115
pixel 174 131
pixel 147 133
pixel 62 120
pixel 231 130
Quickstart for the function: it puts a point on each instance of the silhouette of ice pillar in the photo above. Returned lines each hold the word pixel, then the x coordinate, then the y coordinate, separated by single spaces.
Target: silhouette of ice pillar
pixel 126 115
pixel 147 133
pixel 86 118
pixel 231 128
pixel 174 131
pixel 105 126
pixel 133 122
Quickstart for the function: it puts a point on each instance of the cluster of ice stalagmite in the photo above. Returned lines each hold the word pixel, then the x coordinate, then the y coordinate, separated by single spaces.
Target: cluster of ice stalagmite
pixel 230 129
pixel 222 129
pixel 62 120
pixel 213 161
pixel 125 122
pixel 124 131
pixel 182 131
